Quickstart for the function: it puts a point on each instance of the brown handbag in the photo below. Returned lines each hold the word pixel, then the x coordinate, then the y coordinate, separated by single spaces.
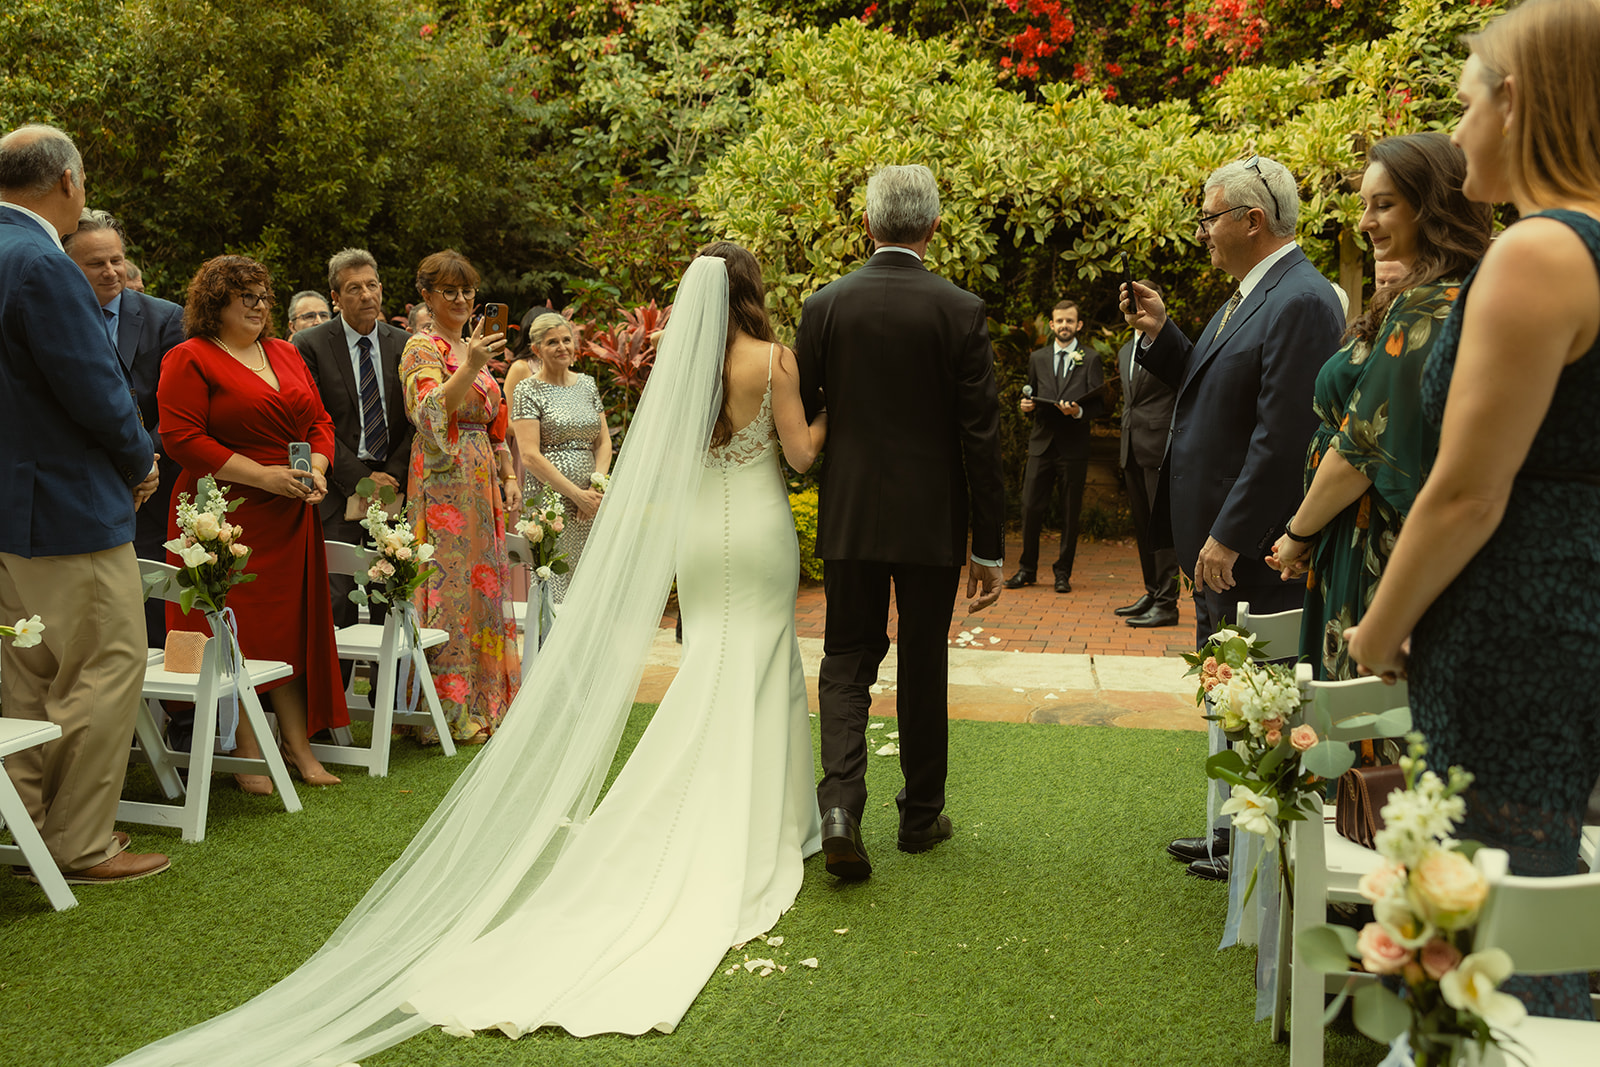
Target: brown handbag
pixel 1358 805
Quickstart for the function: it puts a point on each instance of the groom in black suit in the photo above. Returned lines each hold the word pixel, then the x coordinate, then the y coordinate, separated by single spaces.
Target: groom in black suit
pixel 903 361
pixel 1064 381
pixel 1242 419
pixel 354 358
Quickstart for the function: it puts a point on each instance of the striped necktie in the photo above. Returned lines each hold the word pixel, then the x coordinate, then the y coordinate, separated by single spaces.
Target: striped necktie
pixel 1227 312
pixel 374 428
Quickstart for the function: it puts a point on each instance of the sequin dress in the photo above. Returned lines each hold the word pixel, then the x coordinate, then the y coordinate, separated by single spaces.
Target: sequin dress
pixel 571 421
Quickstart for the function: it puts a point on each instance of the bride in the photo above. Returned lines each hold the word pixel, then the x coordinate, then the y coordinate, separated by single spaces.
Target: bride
pixel 520 904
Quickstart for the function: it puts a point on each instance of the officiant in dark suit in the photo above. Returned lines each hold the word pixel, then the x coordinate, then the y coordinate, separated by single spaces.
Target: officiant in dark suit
pixel 902 360
pixel 1146 417
pixel 354 358
pixel 143 328
pixel 1064 393
pixel 1242 420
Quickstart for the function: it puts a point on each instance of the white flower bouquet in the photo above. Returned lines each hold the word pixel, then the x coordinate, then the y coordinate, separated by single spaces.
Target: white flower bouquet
pixel 542 521
pixel 211 549
pixel 1425 900
pixel 402 562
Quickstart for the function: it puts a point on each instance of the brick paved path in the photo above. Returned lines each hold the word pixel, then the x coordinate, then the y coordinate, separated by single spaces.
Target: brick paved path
pixel 1038 619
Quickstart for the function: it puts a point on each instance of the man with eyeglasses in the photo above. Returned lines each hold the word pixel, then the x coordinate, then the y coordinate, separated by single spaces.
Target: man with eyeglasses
pixel 1236 449
pixel 306 310
pixel 355 360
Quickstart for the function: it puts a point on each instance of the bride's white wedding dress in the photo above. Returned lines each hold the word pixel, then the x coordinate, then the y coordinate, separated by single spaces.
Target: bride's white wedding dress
pixel 698 844
pixel 520 903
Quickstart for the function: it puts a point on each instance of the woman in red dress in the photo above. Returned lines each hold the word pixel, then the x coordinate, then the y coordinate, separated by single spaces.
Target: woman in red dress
pixel 232 399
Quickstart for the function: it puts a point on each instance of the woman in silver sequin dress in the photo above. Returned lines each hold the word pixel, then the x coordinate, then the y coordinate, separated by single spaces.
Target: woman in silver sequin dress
pixel 561 434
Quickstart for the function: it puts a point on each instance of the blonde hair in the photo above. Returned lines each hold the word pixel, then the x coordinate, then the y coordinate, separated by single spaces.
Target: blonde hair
pixel 1549 47
pixel 545 323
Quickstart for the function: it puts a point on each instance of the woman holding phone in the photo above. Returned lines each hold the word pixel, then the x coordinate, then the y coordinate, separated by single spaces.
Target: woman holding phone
pixel 239 404
pixel 462 488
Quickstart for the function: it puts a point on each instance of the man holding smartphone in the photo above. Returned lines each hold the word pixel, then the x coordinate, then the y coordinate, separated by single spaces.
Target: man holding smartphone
pixel 354 358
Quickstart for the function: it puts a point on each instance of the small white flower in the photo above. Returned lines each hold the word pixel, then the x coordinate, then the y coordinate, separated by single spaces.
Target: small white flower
pixel 27 632
pixel 1472 986
pixel 1252 812
pixel 544 574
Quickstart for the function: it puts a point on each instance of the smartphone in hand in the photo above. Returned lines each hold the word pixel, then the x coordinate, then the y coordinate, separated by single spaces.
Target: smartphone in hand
pixel 300 456
pixel 496 317
pixel 1127 282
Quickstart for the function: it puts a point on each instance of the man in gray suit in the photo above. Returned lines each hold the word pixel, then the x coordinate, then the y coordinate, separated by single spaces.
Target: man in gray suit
pixel 144 329
pixel 1146 417
pixel 354 358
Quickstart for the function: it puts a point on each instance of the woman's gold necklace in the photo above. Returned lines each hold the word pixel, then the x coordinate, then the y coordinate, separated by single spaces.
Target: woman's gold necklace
pixel 262 370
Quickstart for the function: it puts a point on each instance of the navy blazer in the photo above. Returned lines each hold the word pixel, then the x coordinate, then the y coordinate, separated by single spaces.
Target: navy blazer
pixel 75 448
pixel 1066 436
pixel 1236 452
pixel 901 358
pixel 147 329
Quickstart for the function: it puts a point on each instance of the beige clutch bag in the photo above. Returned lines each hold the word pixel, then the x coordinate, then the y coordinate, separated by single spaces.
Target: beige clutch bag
pixel 184 650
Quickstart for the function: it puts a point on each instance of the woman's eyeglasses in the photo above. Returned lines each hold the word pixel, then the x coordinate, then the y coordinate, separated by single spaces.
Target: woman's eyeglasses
pixel 255 300
pixel 453 294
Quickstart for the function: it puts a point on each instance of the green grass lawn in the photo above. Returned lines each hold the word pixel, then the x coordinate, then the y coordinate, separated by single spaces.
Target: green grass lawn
pixel 1052 930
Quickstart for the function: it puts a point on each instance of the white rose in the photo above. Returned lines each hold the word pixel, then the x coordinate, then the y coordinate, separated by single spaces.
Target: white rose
pixel 206 526
pixel 544 574
pixel 193 555
pixel 1472 987
pixel 424 552
pixel 1448 889
pixel 534 533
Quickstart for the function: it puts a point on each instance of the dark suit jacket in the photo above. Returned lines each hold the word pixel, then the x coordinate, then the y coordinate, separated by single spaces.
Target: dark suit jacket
pixel 902 358
pixel 1243 418
pixel 328 356
pixel 147 328
pixel 1146 413
pixel 1052 431
pixel 68 423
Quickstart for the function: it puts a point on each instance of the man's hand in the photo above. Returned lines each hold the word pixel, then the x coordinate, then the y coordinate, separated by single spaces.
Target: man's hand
pixel 1149 315
pixel 147 488
pixel 385 478
pixel 1026 405
pixel 989 579
pixel 1214 568
pixel 1068 408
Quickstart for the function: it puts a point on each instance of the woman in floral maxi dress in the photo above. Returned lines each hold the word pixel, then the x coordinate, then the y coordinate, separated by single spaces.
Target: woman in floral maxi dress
pixel 462 486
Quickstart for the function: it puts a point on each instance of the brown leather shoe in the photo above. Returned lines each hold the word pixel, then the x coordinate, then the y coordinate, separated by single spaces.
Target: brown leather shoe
pixel 119 843
pixel 123 867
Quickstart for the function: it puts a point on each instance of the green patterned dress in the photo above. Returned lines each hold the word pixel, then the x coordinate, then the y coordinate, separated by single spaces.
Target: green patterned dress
pixel 1369 401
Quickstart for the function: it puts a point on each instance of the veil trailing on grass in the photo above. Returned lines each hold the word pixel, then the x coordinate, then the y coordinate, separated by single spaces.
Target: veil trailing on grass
pixel 498 832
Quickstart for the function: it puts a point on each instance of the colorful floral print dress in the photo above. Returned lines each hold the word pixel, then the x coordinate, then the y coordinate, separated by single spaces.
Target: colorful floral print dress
pixel 453 500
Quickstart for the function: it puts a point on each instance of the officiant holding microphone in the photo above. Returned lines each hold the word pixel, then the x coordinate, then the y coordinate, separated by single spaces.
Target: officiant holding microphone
pixel 1063 393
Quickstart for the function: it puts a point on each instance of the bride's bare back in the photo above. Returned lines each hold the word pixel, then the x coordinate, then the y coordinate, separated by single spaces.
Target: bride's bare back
pixel 748 361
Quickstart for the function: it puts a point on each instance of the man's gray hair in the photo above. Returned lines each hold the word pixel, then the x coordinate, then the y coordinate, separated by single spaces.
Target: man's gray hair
pixel 92 221
pixel 1248 187
pixel 347 259
pixel 902 203
pixel 302 295
pixel 32 158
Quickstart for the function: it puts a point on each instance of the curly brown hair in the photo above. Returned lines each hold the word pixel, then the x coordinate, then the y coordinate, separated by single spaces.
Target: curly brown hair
pixel 213 288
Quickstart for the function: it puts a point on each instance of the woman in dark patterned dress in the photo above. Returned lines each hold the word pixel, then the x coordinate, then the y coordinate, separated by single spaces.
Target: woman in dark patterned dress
pixel 1365 462
pixel 560 428
pixel 1496 576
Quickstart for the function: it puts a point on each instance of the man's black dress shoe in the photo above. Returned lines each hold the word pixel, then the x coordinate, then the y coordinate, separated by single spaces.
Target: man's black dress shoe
pixel 923 840
pixel 1138 607
pixel 841 845
pixel 1211 870
pixel 1189 849
pixel 1155 617
pixel 1063 586
pixel 1019 579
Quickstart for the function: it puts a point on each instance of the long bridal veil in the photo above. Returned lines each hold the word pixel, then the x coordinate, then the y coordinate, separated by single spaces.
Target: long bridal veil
pixel 498 832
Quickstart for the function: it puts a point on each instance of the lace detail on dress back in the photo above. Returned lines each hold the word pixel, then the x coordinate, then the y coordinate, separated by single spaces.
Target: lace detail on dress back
pixel 754 439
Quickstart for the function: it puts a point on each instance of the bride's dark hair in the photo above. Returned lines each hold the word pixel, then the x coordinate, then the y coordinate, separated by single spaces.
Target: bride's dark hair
pixel 747 313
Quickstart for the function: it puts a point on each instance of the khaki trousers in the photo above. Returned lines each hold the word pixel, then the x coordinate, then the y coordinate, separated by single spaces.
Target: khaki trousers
pixel 86 676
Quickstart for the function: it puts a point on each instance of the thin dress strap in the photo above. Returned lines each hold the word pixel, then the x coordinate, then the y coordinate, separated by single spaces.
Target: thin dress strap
pixel 772 350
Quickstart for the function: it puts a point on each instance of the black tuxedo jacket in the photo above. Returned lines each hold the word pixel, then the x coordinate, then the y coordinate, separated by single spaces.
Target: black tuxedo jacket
pixel 1053 432
pixel 1147 403
pixel 1242 419
pixel 328 356
pixel 147 328
pixel 902 360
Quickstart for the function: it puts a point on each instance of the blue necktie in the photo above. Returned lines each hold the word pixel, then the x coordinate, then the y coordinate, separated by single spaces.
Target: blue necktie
pixel 111 325
pixel 373 426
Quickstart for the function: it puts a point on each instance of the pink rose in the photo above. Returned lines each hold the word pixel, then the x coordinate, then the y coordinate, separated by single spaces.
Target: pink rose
pixel 1208 669
pixel 1274 736
pixel 1439 958
pixel 211 557
pixel 556 525
pixel 1379 952
pixel 1272 725
pixel 1303 737
pixel 1224 672
pixel 1375 884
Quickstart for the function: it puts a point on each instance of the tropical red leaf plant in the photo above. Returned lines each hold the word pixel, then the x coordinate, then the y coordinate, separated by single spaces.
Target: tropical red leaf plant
pixel 628 350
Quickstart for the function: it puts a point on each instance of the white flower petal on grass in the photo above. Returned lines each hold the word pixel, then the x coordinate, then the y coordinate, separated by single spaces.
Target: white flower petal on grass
pixel 889 750
pixel 841 930
pixel 764 972
pixel 809 962
pixel 755 965
pixel 774 941
pixel 894 736
pixel 875 726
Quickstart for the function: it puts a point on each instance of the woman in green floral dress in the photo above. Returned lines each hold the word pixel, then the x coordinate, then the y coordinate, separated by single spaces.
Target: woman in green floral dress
pixel 1368 456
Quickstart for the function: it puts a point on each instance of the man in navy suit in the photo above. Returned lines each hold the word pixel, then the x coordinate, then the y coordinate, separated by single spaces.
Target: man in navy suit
pixel 78 464
pixel 1236 451
pixel 902 359
pixel 144 329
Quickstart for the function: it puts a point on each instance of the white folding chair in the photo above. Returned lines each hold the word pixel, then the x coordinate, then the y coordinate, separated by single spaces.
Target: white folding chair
pixel 1326 866
pixel 29 849
pixel 397 644
pixel 1546 926
pixel 1279 632
pixel 206 691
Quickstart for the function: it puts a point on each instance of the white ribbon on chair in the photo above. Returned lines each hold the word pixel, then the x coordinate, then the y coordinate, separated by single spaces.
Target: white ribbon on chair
pixel 536 624
pixel 225 623
pixel 408 638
